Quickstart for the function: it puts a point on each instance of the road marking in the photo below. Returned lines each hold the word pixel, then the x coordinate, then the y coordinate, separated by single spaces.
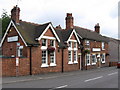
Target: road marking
pixel 62 86
pixel 112 73
pixel 93 79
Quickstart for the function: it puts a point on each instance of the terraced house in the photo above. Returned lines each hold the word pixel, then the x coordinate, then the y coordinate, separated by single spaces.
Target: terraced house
pixel 29 48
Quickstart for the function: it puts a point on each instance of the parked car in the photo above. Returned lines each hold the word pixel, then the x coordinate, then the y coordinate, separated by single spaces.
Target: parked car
pixel 118 64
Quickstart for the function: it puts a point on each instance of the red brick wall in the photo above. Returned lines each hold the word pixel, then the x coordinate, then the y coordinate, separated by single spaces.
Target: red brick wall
pixel 9 67
pixel 9 64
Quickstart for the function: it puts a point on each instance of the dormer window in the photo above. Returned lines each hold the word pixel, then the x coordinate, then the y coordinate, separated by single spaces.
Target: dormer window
pixel 44 42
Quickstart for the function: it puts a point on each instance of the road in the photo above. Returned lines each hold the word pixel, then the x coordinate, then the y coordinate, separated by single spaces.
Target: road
pixel 97 78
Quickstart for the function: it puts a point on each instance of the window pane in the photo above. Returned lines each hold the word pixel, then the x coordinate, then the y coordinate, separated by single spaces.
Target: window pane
pixel 75 45
pixel 43 57
pixel 20 52
pixel 51 42
pixel 75 56
pixel 43 42
pixel 69 55
pixel 52 57
pixel 93 58
pixel 70 44
pixel 88 59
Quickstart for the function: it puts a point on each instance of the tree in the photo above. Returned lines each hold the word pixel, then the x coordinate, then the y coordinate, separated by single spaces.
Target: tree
pixel 5 21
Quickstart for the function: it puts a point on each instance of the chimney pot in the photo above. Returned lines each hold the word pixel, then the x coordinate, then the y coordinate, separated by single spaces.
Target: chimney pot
pixel 97 28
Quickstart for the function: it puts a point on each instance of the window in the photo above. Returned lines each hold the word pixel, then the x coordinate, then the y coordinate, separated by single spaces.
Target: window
pixel 75 44
pixel 70 44
pixel 44 57
pixel 103 58
pixel 51 42
pixel 20 51
pixel 44 42
pixel 88 59
pixel 52 59
pixel 103 45
pixel 93 59
pixel 87 42
pixel 70 57
pixel 75 57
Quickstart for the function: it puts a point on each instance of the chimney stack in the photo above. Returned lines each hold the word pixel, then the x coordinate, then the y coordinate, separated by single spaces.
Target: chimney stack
pixel 69 21
pixel 15 14
pixel 97 28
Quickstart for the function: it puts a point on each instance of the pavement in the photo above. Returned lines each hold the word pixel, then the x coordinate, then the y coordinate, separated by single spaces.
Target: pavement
pixel 7 80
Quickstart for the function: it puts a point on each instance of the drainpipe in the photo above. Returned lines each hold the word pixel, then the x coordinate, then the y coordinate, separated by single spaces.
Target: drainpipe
pixel 62 60
pixel 30 60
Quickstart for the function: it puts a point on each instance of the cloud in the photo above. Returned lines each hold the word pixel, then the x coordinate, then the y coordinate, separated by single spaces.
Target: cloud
pixel 86 12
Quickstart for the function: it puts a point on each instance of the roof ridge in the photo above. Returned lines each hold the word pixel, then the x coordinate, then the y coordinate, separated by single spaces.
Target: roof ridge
pixel 31 23
pixel 85 28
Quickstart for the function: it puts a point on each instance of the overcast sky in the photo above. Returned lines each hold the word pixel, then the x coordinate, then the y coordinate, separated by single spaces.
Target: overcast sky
pixel 86 13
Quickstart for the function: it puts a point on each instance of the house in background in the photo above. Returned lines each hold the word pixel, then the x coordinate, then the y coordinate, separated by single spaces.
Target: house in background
pixel 30 48
pixel 114 51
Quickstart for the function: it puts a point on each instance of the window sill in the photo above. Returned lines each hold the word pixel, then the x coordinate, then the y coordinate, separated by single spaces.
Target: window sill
pixel 103 49
pixel 75 49
pixel 103 62
pixel 44 65
pixel 93 63
pixel 75 62
pixel 52 64
pixel 70 49
pixel 88 65
pixel 43 47
pixel 70 62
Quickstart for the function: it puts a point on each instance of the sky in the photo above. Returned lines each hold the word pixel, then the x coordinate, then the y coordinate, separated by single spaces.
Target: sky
pixel 86 13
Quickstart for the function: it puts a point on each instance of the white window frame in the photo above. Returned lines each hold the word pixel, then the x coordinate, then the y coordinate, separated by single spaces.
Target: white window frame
pixel 70 62
pixel 103 45
pixel 87 60
pixel 75 59
pixel 20 47
pixel 45 47
pixel 93 63
pixel 53 42
pixel 45 64
pixel 102 58
pixel 54 61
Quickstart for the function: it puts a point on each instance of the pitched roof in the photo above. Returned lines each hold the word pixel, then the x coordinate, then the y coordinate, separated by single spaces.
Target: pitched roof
pixel 90 35
pixel 31 31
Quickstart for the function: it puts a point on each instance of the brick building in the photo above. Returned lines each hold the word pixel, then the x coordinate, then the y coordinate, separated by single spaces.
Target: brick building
pixel 29 48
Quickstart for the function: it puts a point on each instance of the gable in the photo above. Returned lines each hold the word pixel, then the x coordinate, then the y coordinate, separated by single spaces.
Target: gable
pixel 9 29
pixel 50 32
pixel 73 36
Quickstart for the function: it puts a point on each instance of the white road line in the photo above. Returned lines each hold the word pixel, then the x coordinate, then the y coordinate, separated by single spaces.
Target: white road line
pixel 62 86
pixel 93 79
pixel 112 73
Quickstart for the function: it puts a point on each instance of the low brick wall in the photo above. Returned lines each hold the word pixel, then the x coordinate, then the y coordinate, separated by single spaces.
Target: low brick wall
pixel 112 64
pixel 9 66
